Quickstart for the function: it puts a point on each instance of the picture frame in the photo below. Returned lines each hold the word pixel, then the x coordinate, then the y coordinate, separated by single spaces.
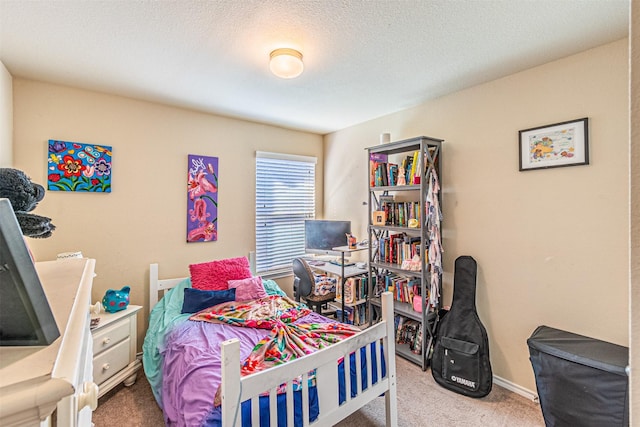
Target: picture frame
pixel 79 167
pixel 553 146
pixel 378 217
pixel 202 198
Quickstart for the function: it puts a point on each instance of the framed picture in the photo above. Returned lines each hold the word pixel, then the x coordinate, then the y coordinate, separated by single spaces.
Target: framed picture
pixel 378 217
pixel 75 166
pixel 554 146
pixel 202 199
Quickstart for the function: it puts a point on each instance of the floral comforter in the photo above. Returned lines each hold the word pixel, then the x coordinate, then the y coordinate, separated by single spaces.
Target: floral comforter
pixel 286 341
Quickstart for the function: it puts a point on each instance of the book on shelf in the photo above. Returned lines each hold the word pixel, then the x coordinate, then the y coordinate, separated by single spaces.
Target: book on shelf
pixel 404 289
pixel 356 315
pixel 392 174
pixel 374 160
pixel 399 213
pixel 350 291
pixel 348 314
pixel 414 167
pixel 397 248
pixel 408 332
pixel 355 290
pixel 381 177
pixel 384 173
pixel 407 163
pixel 398 321
pixel 360 314
pixel 418 172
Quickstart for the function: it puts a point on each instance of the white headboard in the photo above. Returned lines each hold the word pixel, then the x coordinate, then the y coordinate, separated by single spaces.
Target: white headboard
pixel 156 285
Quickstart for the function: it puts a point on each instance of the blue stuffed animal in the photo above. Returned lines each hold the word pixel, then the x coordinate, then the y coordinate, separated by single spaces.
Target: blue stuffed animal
pixel 116 300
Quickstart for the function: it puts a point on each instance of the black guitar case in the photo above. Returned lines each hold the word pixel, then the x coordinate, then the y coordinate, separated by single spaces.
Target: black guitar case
pixel 460 360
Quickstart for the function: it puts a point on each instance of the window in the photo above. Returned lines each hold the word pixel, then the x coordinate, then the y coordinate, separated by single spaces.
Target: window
pixel 285 197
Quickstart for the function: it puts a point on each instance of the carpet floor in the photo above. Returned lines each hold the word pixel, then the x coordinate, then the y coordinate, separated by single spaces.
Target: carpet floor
pixel 421 402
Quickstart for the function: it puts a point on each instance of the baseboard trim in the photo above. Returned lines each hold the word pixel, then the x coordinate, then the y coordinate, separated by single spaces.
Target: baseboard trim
pixel 515 388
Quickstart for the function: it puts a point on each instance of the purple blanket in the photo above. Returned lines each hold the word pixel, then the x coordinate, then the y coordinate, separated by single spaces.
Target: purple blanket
pixel 192 366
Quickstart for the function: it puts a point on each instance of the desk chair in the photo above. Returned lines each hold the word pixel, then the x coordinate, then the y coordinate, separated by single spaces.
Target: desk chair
pixel 304 284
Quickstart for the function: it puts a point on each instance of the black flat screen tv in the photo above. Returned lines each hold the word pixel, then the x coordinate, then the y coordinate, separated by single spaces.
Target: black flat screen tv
pixel 25 315
pixel 321 236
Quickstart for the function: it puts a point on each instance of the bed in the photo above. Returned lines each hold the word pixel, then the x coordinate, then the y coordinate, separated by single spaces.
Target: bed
pixel 190 364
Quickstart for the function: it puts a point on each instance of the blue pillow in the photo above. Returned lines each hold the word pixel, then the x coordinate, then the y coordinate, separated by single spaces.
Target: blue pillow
pixel 196 299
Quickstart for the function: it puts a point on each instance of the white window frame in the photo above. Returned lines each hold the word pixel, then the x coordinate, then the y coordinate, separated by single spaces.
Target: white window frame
pixel 280 215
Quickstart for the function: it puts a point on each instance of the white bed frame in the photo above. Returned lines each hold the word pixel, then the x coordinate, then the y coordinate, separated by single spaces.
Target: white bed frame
pixel 236 389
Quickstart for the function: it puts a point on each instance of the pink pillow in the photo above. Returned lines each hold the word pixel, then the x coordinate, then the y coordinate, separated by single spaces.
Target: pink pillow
pixel 247 289
pixel 214 275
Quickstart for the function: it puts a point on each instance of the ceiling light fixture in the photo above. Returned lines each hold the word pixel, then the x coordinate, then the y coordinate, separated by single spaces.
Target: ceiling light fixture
pixel 286 63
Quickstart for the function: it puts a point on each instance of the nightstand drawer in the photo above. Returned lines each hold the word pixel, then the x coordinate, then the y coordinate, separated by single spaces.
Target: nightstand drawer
pixel 110 336
pixel 110 362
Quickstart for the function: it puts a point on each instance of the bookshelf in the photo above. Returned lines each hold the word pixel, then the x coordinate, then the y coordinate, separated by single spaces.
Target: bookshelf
pixel 405 243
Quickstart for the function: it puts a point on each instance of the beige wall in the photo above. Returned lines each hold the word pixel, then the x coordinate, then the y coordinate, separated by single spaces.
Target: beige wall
pixel 551 245
pixel 6 117
pixel 143 219
pixel 634 284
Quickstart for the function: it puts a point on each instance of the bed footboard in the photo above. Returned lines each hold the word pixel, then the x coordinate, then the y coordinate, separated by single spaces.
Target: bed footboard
pixel 377 341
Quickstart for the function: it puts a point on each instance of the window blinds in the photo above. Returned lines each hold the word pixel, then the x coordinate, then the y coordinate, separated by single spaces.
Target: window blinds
pixel 285 197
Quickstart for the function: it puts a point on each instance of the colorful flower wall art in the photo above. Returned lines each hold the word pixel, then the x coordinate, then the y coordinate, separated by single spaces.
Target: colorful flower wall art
pixel 72 166
pixel 202 200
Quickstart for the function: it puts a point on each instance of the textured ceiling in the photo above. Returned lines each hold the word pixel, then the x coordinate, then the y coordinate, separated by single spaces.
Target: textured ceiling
pixel 363 59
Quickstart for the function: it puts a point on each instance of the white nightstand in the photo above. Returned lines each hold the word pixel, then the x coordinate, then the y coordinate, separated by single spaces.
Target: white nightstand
pixel 114 349
pixel 35 381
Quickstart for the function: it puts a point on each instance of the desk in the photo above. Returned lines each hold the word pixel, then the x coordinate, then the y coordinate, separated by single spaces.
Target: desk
pixel 342 271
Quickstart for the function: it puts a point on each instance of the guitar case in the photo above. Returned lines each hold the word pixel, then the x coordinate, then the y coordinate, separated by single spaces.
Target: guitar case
pixel 460 360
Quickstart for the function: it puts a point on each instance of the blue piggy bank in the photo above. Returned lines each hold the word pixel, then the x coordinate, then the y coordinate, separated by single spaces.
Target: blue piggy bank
pixel 116 300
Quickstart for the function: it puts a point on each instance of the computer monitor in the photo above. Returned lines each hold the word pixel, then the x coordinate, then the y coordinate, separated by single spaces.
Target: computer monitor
pixel 25 315
pixel 321 236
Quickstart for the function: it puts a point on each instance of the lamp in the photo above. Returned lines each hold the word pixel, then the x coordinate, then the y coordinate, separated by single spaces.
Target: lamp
pixel 286 63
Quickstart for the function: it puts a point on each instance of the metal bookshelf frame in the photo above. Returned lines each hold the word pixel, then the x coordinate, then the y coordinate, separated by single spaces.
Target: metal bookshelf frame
pixel 430 155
